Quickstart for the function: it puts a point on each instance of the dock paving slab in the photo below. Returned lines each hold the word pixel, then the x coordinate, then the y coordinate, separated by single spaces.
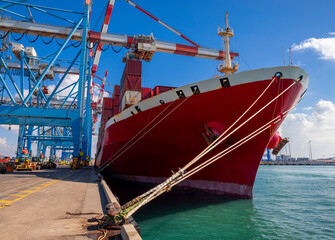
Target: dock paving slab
pixel 60 209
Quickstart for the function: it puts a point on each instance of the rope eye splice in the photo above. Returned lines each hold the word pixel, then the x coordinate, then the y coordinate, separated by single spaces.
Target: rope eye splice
pixel 118 215
pixel 114 214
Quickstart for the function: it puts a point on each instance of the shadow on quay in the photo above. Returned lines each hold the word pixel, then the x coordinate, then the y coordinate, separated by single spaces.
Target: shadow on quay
pixel 60 172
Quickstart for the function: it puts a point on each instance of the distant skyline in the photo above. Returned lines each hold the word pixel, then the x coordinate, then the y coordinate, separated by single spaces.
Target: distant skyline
pixel 261 29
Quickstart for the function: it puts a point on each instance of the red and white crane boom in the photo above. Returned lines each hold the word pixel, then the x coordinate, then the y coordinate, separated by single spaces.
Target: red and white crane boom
pixel 104 29
pixel 161 22
pixel 109 39
pixel 97 55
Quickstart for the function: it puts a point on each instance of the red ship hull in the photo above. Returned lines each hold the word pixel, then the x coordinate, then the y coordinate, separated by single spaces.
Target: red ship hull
pixel 178 138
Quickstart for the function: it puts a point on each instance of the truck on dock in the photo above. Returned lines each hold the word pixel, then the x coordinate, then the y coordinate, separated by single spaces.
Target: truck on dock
pixel 24 164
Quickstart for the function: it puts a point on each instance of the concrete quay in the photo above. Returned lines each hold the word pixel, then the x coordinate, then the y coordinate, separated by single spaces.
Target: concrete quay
pixel 56 204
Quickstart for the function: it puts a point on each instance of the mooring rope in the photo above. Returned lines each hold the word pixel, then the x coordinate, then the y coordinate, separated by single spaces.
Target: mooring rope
pixel 212 145
pixel 222 153
pixel 167 185
pixel 218 140
pixel 181 175
pixel 222 137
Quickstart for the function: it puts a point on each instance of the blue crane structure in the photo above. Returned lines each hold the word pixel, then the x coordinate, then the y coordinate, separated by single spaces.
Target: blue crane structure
pixel 45 118
pixel 51 121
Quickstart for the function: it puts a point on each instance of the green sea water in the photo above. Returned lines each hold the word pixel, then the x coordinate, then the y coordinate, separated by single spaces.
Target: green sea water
pixel 290 202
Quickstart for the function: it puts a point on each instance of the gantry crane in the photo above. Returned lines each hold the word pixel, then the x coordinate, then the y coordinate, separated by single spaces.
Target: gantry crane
pixel 66 118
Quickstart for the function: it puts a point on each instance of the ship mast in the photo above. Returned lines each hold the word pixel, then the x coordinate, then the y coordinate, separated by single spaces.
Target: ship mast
pixel 226 33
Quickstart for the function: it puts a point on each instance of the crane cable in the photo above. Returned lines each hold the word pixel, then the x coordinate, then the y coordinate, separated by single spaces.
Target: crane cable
pixel 132 206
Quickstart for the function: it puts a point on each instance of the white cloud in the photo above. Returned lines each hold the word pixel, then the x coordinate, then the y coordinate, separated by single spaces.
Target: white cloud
pixel 25 94
pixel 324 46
pixel 96 91
pixel 331 33
pixel 317 126
pixel 94 144
pixel 68 80
pixel 14 128
pixel 299 64
pixel 3 141
pixel 3 146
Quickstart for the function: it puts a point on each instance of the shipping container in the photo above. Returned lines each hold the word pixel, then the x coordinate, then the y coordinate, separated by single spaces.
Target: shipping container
pixel 107 113
pixel 160 89
pixel 116 91
pixel 130 98
pixel 146 93
pixel 116 101
pixel 131 82
pixel 107 103
pixel 132 77
pixel 116 110
pixel 133 67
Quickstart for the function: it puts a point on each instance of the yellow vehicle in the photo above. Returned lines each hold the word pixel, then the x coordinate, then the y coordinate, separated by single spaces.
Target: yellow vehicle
pixel 24 164
pixel 74 164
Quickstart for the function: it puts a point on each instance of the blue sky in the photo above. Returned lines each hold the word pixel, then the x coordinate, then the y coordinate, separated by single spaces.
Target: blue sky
pixel 261 29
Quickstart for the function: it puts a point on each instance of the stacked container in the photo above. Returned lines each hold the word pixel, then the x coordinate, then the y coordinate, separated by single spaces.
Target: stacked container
pixel 107 113
pixel 146 93
pixel 131 84
pixel 116 96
